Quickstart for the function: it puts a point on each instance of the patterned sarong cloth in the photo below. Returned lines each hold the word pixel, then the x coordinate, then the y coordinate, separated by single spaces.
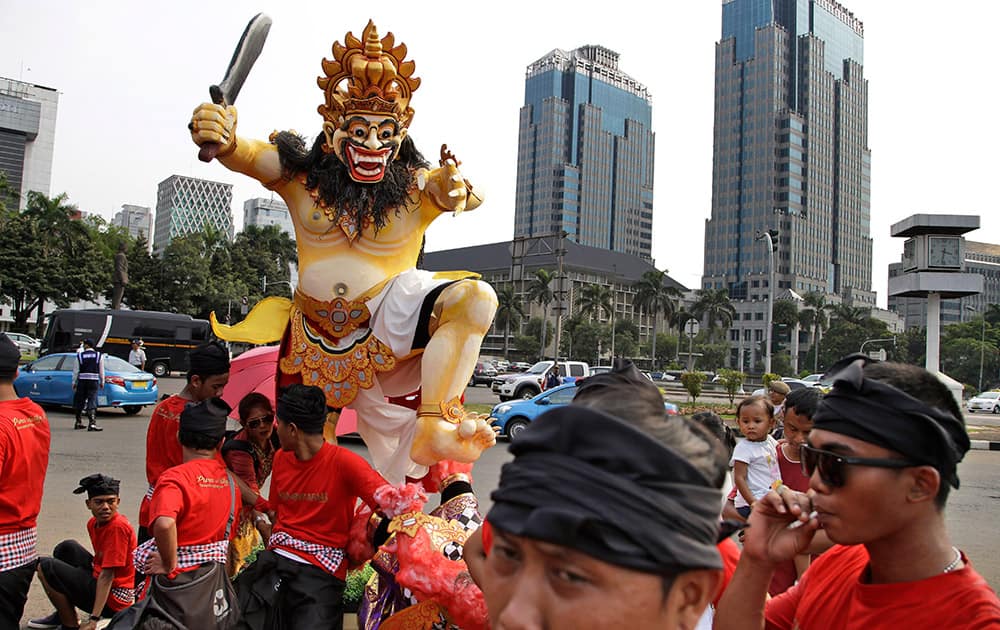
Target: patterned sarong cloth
pixel 187 556
pixel 18 548
pixel 329 557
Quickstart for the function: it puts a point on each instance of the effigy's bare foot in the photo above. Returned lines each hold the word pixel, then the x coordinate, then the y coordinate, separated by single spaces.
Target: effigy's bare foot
pixel 447 431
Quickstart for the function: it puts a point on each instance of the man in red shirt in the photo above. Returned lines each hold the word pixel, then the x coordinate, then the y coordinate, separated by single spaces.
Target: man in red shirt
pixel 101 582
pixel 24 458
pixel 208 373
pixel 193 510
pixel 881 457
pixel 315 487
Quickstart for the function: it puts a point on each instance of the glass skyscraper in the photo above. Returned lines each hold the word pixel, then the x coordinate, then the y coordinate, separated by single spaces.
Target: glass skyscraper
pixel 585 153
pixel 187 204
pixel 790 151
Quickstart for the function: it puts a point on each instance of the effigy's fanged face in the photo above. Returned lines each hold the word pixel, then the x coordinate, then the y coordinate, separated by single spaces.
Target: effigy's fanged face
pixel 367 144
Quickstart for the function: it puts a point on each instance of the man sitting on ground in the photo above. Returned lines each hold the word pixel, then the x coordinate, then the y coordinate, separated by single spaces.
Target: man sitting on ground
pixel 882 457
pixel 101 582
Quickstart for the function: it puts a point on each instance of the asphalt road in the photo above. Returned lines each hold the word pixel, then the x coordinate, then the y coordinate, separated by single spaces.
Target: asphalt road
pixel 120 451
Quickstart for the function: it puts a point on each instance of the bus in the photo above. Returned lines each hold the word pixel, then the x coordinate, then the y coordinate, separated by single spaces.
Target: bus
pixel 166 337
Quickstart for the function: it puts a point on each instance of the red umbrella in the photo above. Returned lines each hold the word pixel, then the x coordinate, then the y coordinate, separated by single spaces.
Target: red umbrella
pixel 254 371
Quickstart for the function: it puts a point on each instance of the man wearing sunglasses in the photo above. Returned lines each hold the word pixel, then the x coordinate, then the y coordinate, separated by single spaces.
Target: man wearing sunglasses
pixel 881 459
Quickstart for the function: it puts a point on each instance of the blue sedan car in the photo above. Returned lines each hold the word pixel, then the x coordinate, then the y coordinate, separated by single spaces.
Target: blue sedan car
pixel 514 416
pixel 50 380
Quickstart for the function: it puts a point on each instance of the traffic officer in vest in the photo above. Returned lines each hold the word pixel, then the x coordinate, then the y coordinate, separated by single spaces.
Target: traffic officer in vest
pixel 88 379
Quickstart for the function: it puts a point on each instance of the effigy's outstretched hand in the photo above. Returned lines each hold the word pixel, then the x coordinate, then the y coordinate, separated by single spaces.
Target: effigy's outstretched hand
pixel 446 185
pixel 211 123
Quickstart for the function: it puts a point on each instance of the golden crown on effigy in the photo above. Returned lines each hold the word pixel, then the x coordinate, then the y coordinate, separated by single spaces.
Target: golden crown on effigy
pixel 368 76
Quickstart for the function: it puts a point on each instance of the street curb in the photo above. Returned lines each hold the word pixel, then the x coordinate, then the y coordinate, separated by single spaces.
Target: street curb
pixel 985 445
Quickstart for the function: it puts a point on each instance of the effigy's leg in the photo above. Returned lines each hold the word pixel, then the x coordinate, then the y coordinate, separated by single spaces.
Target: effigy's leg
pixel 330 427
pixel 464 312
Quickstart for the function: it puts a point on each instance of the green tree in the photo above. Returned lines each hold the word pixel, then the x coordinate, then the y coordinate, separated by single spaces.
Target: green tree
pixel 595 299
pixel 692 383
pixel 714 306
pixel 47 254
pixel 257 253
pixel 666 348
pixel 814 316
pixel 732 381
pixel 911 346
pixel 510 311
pixel 143 291
pixel 626 338
pixel 653 297
pixel 845 337
pixel 540 291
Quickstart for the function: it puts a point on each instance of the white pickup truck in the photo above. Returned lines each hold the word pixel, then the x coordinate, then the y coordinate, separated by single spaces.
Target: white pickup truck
pixel 529 384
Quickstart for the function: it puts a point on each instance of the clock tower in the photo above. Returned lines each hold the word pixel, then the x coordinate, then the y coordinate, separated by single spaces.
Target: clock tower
pixel 932 263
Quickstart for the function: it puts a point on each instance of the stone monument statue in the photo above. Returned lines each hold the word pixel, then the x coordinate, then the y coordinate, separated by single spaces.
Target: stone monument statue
pixel 120 279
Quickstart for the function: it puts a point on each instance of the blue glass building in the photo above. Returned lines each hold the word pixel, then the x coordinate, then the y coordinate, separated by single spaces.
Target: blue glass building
pixel 790 153
pixel 585 153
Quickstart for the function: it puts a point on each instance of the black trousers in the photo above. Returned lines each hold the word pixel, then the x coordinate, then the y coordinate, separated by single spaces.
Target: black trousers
pixel 276 593
pixel 85 397
pixel 70 571
pixel 14 585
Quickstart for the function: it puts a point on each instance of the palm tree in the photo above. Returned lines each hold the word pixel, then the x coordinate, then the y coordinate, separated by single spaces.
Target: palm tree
pixel 510 310
pixel 992 314
pixel 786 313
pixel 850 314
pixel 653 297
pixel 814 316
pixel 595 298
pixel 678 320
pixel 714 304
pixel 540 290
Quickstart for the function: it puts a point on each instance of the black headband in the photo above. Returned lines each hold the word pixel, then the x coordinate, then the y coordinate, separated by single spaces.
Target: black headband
pixel 304 406
pixel 586 480
pixel 208 417
pixel 98 485
pixel 208 359
pixel 10 356
pixel 884 415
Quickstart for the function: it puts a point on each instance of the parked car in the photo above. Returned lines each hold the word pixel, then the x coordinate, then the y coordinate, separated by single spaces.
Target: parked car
pixel 529 384
pixel 26 344
pixel 501 366
pixel 599 369
pixel 50 380
pixel 662 376
pixel 482 374
pixel 984 401
pixel 515 416
pixel 793 384
pixel 520 366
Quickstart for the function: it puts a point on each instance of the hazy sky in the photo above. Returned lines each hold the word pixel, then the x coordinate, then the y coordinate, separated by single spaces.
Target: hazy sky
pixel 129 74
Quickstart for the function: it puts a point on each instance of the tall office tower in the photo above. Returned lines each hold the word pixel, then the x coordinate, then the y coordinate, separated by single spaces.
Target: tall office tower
pixel 27 137
pixel 791 151
pixel 187 204
pixel 261 212
pixel 138 220
pixel 585 153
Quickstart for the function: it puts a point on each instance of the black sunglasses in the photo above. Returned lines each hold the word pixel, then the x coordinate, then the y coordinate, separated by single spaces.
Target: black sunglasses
pixel 253 423
pixel 831 465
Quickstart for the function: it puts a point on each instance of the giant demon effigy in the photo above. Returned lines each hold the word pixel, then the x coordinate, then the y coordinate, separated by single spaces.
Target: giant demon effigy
pixel 364 323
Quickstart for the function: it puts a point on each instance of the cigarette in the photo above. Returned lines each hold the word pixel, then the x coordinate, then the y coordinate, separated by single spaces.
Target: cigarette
pixel 798 524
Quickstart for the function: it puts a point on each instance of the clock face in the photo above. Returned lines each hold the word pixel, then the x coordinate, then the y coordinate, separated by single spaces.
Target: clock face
pixel 944 252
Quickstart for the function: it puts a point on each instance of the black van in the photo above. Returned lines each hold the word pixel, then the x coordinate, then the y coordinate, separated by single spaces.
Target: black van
pixel 166 337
